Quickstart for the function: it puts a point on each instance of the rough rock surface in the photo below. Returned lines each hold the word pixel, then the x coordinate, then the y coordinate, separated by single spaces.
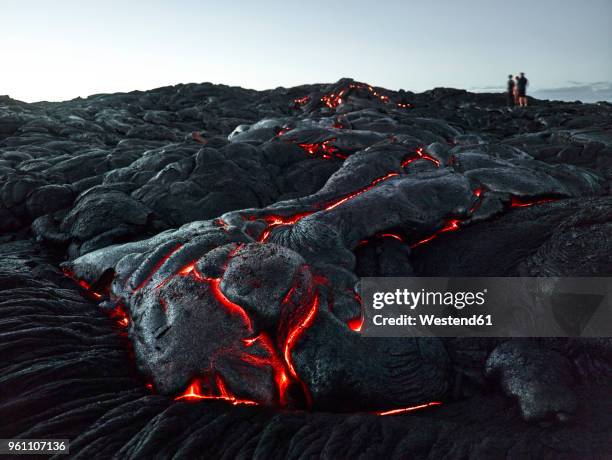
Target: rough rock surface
pixel 214 237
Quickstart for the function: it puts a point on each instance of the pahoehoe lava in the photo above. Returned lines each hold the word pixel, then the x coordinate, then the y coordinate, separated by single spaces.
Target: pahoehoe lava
pixel 180 270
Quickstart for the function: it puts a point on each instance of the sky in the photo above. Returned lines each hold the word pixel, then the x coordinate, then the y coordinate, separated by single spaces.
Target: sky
pixel 61 49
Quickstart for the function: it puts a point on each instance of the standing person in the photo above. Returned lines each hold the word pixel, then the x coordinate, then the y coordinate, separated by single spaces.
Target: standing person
pixel 515 91
pixel 510 91
pixel 521 85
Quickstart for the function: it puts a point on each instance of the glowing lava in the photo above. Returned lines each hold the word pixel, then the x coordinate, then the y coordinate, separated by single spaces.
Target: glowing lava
pixel 280 374
pixel 451 225
pixel 221 223
pixel 194 393
pixel 375 182
pixel 274 221
pixel 326 149
pixel 355 324
pixel 420 155
pixel 120 316
pixel 293 336
pixel 333 100
pixel 516 202
pixel 157 266
pixel 404 410
pixel 215 287
pixel 301 100
pixel 392 235
pixel 84 284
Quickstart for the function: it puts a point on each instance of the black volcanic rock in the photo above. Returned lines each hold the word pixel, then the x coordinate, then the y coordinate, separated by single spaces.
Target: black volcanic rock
pixel 225 231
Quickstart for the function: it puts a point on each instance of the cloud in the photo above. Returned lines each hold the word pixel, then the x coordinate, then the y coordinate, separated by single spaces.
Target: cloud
pixel 487 89
pixel 574 91
pixel 578 91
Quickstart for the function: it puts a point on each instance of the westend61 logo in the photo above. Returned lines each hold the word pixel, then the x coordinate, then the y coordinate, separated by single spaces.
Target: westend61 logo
pixel 487 307
pixel 412 299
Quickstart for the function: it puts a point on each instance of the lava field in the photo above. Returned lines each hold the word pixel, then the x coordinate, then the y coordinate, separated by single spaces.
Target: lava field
pixel 180 269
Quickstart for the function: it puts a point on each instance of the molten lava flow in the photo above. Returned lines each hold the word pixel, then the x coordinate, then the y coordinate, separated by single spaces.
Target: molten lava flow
pixel 335 204
pixel 215 286
pixel 392 235
pixel 271 359
pixel 333 100
pixel 120 316
pixel 450 226
pixel 294 335
pixel 194 393
pixel 274 221
pixel 283 130
pixel 420 155
pixel 478 194
pixel 384 99
pixel 234 308
pixel 84 284
pixel 355 324
pixel 404 410
pixel 157 266
pixel 325 149
pixel 516 202
pixel 301 100
pixel 280 374
pixel 221 223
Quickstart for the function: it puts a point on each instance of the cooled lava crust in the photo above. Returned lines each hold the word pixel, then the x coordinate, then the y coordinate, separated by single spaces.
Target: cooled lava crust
pixel 180 268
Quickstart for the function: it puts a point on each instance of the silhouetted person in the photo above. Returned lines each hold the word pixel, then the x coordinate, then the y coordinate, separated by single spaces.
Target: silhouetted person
pixel 515 92
pixel 510 91
pixel 521 88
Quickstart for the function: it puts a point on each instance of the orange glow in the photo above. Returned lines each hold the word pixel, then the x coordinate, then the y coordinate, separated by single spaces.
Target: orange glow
pixel 157 266
pixel 355 324
pixel 516 202
pixel 187 269
pixel 194 393
pixel 333 100
pixel 280 375
pixel 335 204
pixel 120 316
pixel 84 284
pixel 301 100
pixel 420 155
pixel 404 410
pixel 234 308
pixel 325 149
pixel 392 235
pixel 277 221
pixel 297 332
pixel 450 226
pixel 221 223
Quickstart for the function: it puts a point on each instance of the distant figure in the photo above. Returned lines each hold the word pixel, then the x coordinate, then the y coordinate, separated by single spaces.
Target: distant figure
pixel 521 86
pixel 510 91
pixel 516 96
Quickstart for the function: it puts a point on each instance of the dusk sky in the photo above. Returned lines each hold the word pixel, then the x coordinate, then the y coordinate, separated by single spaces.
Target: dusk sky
pixel 67 48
